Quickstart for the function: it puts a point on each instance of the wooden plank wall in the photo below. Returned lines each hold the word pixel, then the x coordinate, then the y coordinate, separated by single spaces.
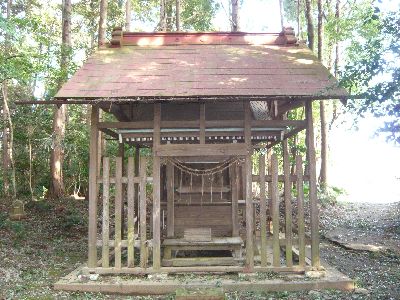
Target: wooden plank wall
pixel 112 233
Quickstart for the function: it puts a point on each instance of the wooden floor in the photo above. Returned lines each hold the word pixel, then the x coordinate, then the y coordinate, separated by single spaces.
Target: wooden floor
pixel 134 285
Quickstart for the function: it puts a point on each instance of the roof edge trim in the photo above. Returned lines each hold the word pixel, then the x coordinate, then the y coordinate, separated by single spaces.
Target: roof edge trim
pixel 122 38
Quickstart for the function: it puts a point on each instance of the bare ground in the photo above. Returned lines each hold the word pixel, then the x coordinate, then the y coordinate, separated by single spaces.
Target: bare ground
pixel 52 242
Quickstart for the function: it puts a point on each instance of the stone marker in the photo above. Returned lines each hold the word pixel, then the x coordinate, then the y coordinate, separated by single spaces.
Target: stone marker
pixel 17 211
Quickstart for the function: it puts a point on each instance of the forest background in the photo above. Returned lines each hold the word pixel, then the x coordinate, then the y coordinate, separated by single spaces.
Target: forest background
pixel 42 43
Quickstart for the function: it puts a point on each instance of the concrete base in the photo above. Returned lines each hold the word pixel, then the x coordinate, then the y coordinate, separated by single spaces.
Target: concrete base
pixel 135 285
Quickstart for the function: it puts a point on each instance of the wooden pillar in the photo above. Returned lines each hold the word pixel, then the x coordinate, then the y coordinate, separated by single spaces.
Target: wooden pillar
pixel 142 213
pixel 234 179
pixel 288 204
pixel 106 213
pixel 170 201
pixel 300 211
pixel 275 210
pixel 263 213
pixel 156 188
pixel 249 196
pixel 202 123
pixel 94 134
pixel 131 212
pixel 314 222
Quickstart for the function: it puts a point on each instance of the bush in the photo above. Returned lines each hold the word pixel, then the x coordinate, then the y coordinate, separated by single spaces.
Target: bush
pixel 328 195
pixel 3 220
pixel 71 218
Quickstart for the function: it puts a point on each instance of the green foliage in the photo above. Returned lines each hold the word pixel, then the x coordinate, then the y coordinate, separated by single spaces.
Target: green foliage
pixel 328 195
pixel 198 14
pixel 372 69
pixel 72 218
pixel 42 206
pixel 3 220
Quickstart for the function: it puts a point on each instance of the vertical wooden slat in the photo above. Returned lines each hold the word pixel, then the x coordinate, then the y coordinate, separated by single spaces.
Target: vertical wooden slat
pixel 142 212
pixel 300 211
pixel 106 213
pixel 314 222
pixel 118 208
pixel 136 162
pixel 275 212
pixel 263 213
pixel 94 133
pixel 249 193
pixel 156 189
pixel 202 123
pixel 269 192
pixel 234 174
pixel 288 204
pixel 121 153
pixel 131 212
pixel 170 201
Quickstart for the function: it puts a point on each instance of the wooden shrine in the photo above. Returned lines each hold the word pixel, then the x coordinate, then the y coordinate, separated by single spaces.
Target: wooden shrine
pixel 203 104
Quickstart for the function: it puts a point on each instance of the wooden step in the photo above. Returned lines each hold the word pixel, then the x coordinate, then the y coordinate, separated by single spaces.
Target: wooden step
pixel 200 261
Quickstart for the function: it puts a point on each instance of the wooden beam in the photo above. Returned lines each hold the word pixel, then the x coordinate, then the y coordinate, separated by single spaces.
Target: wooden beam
pixel 197 123
pixel 170 201
pixel 288 135
pixel 289 106
pixel 156 188
pixel 314 222
pixel 94 134
pixel 249 192
pixel 281 178
pixel 202 123
pixel 202 150
pixel 109 132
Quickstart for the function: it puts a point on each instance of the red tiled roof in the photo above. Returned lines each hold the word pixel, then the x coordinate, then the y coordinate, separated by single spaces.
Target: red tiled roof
pixel 173 65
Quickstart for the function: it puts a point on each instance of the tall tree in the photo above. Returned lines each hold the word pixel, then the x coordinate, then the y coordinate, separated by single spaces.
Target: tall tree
pixel 7 150
pixel 178 15
pixel 103 22
pixel 128 11
pixel 235 15
pixel 163 15
pixel 281 12
pixel 324 131
pixel 57 188
pixel 310 25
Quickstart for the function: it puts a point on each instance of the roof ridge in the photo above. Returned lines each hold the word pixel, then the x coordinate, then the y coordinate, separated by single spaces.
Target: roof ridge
pixel 161 38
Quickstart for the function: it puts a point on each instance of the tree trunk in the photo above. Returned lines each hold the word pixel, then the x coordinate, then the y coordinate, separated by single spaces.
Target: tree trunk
pixel 298 18
pixel 324 132
pixel 7 143
pixel 163 16
pixel 178 15
pixel 235 15
pixel 281 12
pixel 128 15
pixel 337 16
pixel 57 188
pixel 310 26
pixel 103 22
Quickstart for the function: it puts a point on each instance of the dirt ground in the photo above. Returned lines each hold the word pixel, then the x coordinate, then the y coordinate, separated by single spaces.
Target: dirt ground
pixel 52 242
